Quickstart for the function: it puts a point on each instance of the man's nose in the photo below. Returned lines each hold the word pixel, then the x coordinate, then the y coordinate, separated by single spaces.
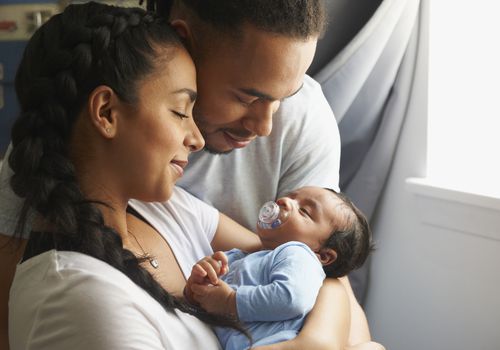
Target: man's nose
pixel 260 119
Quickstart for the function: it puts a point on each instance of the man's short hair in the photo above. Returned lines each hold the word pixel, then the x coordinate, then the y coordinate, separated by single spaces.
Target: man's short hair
pixel 294 18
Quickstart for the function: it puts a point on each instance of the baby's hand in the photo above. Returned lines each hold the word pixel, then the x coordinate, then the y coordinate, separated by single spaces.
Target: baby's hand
pixel 206 272
pixel 219 299
pixel 208 269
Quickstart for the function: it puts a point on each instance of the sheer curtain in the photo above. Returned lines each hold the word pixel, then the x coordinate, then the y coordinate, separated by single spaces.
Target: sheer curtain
pixel 367 85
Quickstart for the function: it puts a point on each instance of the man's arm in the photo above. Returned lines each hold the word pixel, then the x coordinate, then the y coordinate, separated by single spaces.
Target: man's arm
pixel 360 332
pixel 11 251
pixel 329 325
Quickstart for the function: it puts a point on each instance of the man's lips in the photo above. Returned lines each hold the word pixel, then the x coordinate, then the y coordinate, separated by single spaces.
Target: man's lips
pixel 179 166
pixel 235 141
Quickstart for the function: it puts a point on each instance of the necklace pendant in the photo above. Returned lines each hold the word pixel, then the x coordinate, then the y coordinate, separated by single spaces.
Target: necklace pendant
pixel 154 263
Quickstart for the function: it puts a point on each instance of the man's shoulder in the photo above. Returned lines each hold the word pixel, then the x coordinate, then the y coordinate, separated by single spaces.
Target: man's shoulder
pixel 307 112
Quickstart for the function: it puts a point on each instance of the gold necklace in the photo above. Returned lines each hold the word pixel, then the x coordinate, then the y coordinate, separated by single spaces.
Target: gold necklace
pixel 152 260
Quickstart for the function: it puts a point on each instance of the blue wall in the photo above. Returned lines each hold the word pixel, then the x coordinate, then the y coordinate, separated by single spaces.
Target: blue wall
pixel 10 55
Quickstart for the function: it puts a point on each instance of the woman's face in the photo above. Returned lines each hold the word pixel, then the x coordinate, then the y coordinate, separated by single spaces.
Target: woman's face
pixel 158 133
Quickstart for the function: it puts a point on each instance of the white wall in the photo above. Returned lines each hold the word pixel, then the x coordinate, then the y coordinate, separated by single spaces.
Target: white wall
pixel 432 285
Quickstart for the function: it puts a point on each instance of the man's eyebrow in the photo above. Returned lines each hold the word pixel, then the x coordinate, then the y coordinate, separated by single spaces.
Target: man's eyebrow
pixel 191 93
pixel 264 96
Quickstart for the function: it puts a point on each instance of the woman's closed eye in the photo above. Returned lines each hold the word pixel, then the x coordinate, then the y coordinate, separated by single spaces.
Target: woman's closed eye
pixel 179 114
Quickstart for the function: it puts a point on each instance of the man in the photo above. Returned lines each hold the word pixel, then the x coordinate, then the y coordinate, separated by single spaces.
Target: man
pixel 268 128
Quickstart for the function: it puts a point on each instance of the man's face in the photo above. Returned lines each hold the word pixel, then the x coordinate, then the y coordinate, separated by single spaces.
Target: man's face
pixel 241 84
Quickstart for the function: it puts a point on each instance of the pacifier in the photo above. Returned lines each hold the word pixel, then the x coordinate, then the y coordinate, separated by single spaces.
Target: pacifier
pixel 272 216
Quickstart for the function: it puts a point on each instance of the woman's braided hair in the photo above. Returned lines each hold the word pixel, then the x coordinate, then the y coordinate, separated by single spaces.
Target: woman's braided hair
pixel 74 52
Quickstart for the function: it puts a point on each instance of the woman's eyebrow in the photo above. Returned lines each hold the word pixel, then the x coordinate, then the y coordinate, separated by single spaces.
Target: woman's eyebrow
pixel 191 93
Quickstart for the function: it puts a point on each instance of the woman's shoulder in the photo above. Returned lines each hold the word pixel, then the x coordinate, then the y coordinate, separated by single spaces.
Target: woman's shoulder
pixel 82 300
pixel 71 298
pixel 73 275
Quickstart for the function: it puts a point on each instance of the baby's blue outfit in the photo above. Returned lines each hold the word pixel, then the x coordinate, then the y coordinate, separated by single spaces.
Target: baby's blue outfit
pixel 275 289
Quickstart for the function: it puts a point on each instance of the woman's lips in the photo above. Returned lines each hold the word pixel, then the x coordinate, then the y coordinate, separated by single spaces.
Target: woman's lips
pixel 236 142
pixel 179 166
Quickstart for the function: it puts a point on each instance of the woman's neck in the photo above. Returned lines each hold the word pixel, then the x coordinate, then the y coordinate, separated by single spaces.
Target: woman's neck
pixel 101 189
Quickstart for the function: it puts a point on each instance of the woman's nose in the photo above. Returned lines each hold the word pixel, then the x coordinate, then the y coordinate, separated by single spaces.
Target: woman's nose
pixel 194 140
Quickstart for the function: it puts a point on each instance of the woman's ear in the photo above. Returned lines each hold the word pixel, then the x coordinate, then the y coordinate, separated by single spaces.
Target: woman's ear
pixel 103 110
pixel 326 256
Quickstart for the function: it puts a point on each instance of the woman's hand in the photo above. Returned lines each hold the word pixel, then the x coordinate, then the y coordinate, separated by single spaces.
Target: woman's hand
pixel 218 299
pixel 206 272
pixel 204 288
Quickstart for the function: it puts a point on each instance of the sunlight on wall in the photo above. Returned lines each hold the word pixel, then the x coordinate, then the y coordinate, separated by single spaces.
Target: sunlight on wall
pixel 464 95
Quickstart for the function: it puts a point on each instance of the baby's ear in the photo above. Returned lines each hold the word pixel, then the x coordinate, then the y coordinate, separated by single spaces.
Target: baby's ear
pixel 327 256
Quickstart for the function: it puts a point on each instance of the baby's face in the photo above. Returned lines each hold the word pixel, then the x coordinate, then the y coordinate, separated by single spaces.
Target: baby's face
pixel 312 216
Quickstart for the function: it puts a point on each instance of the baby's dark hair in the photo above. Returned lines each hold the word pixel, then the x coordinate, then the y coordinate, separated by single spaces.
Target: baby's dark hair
pixel 295 18
pixel 86 46
pixel 351 239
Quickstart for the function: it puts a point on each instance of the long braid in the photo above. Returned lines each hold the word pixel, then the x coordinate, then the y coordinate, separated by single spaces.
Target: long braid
pixel 74 52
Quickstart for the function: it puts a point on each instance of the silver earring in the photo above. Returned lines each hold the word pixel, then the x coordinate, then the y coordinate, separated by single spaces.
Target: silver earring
pixel 108 130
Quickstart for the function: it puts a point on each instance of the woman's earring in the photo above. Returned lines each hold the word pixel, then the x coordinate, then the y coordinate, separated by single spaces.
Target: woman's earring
pixel 108 130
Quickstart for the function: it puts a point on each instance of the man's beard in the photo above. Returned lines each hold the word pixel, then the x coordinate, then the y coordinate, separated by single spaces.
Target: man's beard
pixel 200 120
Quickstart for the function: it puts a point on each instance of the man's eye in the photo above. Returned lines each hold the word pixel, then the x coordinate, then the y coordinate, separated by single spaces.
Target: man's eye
pixel 180 115
pixel 243 102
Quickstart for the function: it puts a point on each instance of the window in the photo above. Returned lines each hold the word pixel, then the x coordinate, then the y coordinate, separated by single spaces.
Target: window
pixel 464 95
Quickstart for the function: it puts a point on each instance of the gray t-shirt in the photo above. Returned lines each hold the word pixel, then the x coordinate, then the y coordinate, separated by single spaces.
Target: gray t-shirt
pixel 303 149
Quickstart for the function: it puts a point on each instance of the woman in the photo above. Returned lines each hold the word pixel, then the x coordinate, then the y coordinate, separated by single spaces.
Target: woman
pixel 106 98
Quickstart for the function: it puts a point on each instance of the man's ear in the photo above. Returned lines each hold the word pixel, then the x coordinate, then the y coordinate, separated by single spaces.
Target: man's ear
pixel 327 256
pixel 182 28
pixel 103 110
pixel 188 37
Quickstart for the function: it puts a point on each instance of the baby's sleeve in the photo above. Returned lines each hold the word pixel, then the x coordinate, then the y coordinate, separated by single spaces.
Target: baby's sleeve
pixel 290 288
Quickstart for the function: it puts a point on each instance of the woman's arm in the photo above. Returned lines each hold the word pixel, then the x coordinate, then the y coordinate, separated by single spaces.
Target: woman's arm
pixel 231 235
pixel 11 251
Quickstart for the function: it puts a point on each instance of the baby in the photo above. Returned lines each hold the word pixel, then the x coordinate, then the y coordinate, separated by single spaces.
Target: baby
pixel 314 233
